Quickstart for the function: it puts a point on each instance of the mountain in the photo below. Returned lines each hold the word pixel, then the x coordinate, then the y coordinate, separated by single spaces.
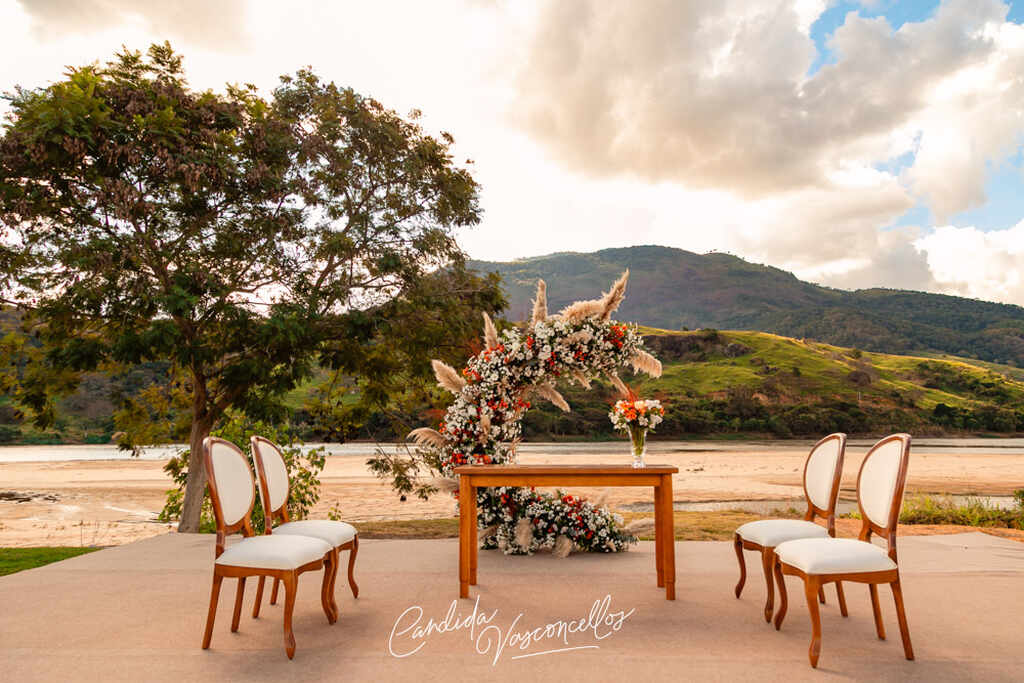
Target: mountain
pixel 675 289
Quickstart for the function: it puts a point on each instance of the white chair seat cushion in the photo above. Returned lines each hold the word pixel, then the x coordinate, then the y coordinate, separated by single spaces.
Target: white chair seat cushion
pixel 274 552
pixel 769 533
pixel 335 533
pixel 834 556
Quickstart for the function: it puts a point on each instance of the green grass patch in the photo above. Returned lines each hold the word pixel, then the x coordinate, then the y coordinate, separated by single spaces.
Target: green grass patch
pixel 13 560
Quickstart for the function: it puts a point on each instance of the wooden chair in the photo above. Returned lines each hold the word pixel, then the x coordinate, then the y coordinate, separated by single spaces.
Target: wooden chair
pixel 280 557
pixel 274 489
pixel 822 472
pixel 880 484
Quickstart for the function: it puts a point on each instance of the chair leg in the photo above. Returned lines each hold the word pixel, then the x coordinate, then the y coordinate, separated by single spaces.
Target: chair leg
pixel 330 568
pixel 259 597
pixel 738 545
pixel 879 626
pixel 811 587
pixel 767 560
pixel 783 596
pixel 211 615
pixel 290 581
pixel 897 595
pixel 352 566
pixel 239 594
pixel 821 594
pixel 273 591
pixel 842 599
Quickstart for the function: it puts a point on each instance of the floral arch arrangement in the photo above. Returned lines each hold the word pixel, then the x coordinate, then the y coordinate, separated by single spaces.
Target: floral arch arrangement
pixel 483 426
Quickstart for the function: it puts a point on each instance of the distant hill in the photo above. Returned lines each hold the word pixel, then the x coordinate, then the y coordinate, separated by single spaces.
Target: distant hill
pixel 675 289
pixel 718 383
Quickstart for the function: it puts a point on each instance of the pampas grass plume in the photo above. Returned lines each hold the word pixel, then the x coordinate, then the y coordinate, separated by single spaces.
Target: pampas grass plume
pixel 619 385
pixel 550 393
pixel 426 435
pixel 524 533
pixel 641 527
pixel 540 304
pixel 447 377
pixel 563 546
pixel 611 300
pixel 645 362
pixel 490 332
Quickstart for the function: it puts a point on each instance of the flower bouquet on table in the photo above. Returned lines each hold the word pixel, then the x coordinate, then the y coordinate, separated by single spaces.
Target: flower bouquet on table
pixel 636 416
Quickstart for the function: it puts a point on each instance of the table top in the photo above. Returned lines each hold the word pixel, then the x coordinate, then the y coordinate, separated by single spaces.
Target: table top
pixel 565 469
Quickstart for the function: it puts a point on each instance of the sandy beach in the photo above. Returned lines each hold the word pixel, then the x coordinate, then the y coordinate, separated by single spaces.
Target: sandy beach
pixel 110 502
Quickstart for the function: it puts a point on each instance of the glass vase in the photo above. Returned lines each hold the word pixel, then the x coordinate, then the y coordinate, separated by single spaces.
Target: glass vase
pixel 638 444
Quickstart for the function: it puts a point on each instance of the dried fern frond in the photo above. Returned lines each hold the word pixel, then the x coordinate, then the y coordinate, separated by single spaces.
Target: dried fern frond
pixel 524 533
pixel 645 362
pixel 428 436
pixel 490 333
pixel 619 385
pixel 581 379
pixel 614 296
pixel 550 393
pixel 447 377
pixel 485 428
pixel 582 310
pixel 487 531
pixel 540 304
pixel 640 527
pixel 563 546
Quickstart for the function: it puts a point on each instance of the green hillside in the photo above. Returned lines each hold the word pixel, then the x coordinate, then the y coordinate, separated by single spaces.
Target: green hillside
pixel 715 384
pixel 676 289
pixel 720 383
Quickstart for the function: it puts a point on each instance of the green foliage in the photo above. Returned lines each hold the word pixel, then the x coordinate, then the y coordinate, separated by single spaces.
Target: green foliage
pixel 245 241
pixel 973 512
pixel 304 466
pixel 14 560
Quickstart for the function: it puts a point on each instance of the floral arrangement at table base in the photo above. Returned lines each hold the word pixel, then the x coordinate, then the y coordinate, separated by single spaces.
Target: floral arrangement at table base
pixel 636 417
pixel 494 390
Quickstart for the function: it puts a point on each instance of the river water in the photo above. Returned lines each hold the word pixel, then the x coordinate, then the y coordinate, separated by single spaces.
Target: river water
pixel 568 449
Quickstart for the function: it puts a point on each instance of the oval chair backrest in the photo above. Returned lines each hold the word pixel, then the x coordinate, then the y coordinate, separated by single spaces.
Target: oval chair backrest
pixel 273 474
pixel 822 472
pixel 881 481
pixel 231 483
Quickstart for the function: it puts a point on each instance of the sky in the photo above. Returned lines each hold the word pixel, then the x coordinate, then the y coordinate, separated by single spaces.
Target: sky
pixel 857 144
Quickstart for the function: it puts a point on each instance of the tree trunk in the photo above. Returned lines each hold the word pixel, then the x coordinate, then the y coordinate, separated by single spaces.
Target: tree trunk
pixel 195 485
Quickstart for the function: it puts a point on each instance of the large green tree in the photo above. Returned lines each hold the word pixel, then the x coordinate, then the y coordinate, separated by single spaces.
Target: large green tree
pixel 243 238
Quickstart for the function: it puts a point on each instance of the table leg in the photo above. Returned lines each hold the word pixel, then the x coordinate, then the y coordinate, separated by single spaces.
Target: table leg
pixel 474 542
pixel 659 541
pixel 667 529
pixel 465 494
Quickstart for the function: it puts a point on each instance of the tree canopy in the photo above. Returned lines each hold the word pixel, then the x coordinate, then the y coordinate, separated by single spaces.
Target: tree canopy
pixel 243 238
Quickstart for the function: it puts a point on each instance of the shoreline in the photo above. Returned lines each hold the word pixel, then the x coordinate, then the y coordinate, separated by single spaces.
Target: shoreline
pixel 108 502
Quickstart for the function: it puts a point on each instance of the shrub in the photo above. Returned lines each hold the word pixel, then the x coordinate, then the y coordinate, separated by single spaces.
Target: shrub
pixel 973 512
pixel 304 469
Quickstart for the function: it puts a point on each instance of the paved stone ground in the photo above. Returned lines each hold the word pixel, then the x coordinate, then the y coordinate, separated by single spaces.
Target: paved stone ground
pixel 136 613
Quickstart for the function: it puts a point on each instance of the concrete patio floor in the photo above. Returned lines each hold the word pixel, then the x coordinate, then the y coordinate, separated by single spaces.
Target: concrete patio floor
pixel 136 613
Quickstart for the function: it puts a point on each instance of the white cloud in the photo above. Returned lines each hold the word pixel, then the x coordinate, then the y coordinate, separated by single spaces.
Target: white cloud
pixel 984 265
pixel 595 124
pixel 219 24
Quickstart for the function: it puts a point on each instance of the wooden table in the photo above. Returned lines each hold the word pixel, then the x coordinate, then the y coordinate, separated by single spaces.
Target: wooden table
pixel 472 477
